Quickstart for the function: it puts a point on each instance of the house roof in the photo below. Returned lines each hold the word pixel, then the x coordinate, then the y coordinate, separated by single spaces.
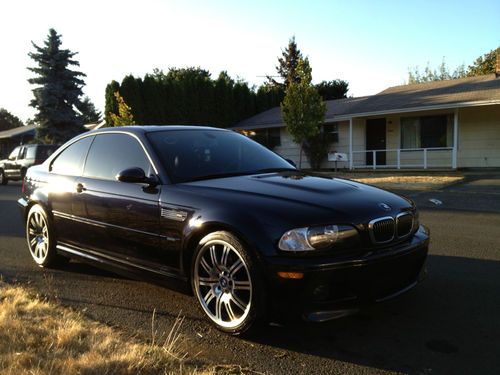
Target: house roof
pixel 16 132
pixel 456 93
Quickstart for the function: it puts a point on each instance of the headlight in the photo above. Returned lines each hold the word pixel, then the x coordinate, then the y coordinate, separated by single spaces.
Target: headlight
pixel 313 238
pixel 416 221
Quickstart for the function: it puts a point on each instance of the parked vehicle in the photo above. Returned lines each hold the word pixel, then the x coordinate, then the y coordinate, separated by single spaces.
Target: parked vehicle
pixel 21 158
pixel 212 210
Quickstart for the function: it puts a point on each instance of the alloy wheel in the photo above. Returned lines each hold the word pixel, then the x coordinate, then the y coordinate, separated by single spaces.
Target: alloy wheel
pixel 38 236
pixel 223 284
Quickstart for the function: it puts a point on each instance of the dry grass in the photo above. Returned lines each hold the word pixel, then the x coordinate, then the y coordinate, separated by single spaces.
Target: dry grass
pixel 40 337
pixel 429 181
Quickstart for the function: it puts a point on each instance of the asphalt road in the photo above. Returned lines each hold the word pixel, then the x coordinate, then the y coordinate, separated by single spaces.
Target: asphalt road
pixel 448 325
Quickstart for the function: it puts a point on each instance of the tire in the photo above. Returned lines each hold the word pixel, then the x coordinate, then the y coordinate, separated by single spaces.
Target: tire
pixel 226 282
pixel 3 178
pixel 41 239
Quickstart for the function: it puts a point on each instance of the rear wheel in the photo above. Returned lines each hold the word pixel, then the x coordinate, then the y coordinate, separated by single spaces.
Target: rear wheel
pixel 3 178
pixel 226 284
pixel 41 240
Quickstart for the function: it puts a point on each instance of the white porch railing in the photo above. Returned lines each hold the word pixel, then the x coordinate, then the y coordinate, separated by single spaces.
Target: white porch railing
pixel 421 158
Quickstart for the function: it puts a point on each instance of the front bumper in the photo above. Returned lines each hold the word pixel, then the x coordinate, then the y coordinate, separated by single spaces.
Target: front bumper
pixel 22 204
pixel 331 288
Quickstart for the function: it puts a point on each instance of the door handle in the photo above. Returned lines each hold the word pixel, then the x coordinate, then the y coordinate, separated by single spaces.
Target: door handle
pixel 80 188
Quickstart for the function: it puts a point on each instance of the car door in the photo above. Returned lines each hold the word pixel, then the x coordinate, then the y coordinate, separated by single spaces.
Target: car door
pixel 67 210
pixel 18 163
pixel 123 218
pixel 9 165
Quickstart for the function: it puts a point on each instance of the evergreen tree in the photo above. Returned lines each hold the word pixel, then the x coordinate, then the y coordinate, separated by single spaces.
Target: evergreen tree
pixel 224 102
pixel 288 64
pixel 131 90
pixel 303 109
pixel 110 105
pixel 88 112
pixel 124 116
pixel 336 89
pixel 58 91
pixel 268 96
pixel 8 120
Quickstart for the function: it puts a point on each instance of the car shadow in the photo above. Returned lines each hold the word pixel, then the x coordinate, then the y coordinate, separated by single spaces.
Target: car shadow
pixel 449 324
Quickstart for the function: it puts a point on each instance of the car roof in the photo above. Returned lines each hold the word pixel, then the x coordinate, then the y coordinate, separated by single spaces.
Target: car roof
pixel 142 129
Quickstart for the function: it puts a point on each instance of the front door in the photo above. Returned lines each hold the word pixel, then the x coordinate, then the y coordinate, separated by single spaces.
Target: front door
pixel 123 218
pixel 10 164
pixel 375 140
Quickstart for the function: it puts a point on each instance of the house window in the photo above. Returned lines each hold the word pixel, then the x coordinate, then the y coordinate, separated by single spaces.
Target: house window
pixel 270 138
pixel 427 132
pixel 331 131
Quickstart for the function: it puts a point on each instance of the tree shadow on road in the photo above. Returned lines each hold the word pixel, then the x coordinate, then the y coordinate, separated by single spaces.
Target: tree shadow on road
pixel 449 324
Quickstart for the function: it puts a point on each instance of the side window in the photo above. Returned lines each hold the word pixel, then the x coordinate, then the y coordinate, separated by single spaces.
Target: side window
pixel 70 161
pixel 112 153
pixel 30 152
pixel 43 153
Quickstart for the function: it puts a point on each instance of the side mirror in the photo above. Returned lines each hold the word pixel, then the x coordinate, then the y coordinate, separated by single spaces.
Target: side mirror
pixel 291 162
pixel 136 175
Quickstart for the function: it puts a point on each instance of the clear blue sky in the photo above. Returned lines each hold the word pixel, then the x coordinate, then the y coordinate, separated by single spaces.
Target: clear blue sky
pixel 371 44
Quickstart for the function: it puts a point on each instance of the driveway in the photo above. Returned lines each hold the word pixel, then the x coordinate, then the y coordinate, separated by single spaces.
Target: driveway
pixel 448 325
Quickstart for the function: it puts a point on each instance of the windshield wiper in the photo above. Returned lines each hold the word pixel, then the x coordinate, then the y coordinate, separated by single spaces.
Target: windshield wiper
pixel 217 175
pixel 270 170
pixel 234 174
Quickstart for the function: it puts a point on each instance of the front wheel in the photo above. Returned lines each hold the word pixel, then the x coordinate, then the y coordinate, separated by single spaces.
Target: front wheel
pixel 40 237
pixel 226 284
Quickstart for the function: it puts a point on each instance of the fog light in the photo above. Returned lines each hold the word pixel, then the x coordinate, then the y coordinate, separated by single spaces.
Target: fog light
pixel 291 275
pixel 321 292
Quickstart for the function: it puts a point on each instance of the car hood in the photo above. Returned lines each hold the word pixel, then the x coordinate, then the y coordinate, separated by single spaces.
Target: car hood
pixel 347 199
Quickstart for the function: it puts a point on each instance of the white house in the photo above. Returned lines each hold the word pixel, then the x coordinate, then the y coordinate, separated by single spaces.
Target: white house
pixel 442 124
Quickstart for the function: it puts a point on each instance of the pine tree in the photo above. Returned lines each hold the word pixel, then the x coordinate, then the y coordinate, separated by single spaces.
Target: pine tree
pixel 88 112
pixel 303 109
pixel 8 120
pixel 58 91
pixel 124 116
pixel 287 65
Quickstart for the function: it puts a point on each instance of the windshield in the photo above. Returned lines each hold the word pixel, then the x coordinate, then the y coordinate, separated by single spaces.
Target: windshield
pixel 13 155
pixel 190 155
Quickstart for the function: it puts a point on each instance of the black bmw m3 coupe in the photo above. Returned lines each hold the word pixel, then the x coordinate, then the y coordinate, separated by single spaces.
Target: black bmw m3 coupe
pixel 216 213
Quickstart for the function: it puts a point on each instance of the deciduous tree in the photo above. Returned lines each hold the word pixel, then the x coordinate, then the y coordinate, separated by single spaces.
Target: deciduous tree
pixel 124 116
pixel 485 64
pixel 303 109
pixel 335 89
pixel 8 120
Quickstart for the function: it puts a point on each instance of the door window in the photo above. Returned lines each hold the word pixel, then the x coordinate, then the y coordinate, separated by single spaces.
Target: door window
pixel 112 153
pixel 70 161
pixel 30 152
